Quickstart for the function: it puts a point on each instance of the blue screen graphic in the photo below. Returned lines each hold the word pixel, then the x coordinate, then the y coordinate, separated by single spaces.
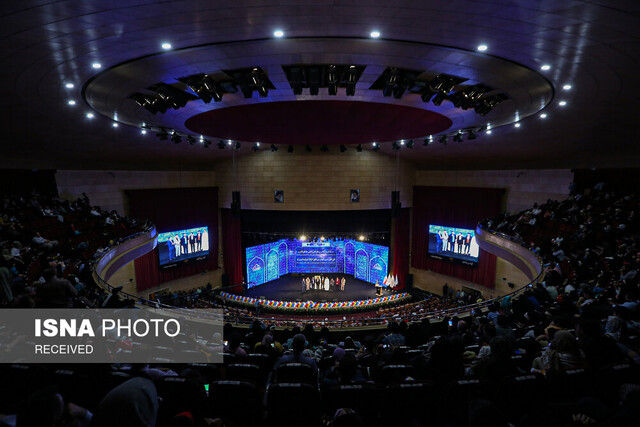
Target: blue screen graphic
pixel 453 242
pixel 268 262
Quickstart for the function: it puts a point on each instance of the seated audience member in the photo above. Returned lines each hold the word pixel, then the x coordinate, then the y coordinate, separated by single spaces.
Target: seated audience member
pixel 503 329
pixel 55 292
pixel 395 338
pixel 46 407
pixel 563 354
pixel 133 403
pixel 298 345
pixel 41 242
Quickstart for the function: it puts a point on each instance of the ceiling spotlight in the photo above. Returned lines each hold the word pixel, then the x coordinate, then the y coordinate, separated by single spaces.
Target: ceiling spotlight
pixel 191 140
pixel 256 147
pixel 69 85
pixel 458 137
pixel 410 143
pixel 488 131
pixel 324 148
pixel 90 116
pixel 395 146
pixel 115 125
pixel 343 148
pixel 517 125
pixel 426 141
pixel 221 145
pixel 483 47
pixel 376 146
pixel 166 46
pixel 359 148
pixel 176 138
pixel 332 80
pixel 303 238
pixel 71 102
pixel 402 142
pixel 443 140
pixel 562 103
pixel 361 238
pixel 543 115
pixel 545 67
pixel 290 149
pixel 274 148
pixel 472 135
pixel 565 87
pixel 237 146
pixel 96 65
pixel 307 148
pixel 374 34
pixel 278 33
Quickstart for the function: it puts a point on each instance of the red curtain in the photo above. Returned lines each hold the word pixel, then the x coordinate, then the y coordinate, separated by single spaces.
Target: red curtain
pixel 401 247
pixel 453 207
pixel 175 209
pixel 232 248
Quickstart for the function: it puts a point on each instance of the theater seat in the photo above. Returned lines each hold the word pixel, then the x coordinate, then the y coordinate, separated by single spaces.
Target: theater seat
pixel 406 402
pixel 456 397
pixel 516 393
pixel 290 404
pixel 296 373
pixel 179 395
pixel 610 378
pixel 395 374
pixel 245 372
pixel 236 402
pixel 362 398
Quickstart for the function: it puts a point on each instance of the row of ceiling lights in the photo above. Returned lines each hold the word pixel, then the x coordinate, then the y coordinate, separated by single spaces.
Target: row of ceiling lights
pixel 374 34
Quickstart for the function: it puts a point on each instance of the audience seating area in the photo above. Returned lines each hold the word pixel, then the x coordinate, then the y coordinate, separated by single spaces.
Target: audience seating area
pixel 563 352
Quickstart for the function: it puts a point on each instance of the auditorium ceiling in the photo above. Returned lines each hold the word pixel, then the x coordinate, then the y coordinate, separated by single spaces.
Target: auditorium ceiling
pixel 463 84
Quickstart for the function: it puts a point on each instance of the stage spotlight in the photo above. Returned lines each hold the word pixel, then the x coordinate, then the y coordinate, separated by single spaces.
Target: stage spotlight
pixel 307 148
pixel 303 238
pixel 221 145
pixel 392 80
pixel 274 148
pixel 410 143
pixel 206 142
pixel 472 135
pixel 343 148
pixel 376 146
pixel 359 148
pixel 427 141
pixel 332 80
pixel 322 238
pixel 443 140
pixel 458 137
pixel 256 146
pixel 191 140
pixel 361 238
pixel 290 149
pixel 352 78
pixel 395 146
pixel 238 145
pixel 324 149
pixel 177 139
pixel 257 79
pixel 163 135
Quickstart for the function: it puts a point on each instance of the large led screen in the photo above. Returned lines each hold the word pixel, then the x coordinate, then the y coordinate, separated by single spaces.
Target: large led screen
pixel 268 262
pixel 179 245
pixel 453 243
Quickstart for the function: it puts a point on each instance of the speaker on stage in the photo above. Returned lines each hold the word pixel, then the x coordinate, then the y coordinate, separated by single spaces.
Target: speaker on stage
pixel 409 282
pixel 236 205
pixel 395 203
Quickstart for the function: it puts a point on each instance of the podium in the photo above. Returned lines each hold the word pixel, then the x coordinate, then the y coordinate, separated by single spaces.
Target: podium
pixel 378 290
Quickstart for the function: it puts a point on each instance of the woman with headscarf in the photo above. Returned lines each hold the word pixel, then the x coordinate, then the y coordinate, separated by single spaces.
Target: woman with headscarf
pixel 563 354
pixel 133 403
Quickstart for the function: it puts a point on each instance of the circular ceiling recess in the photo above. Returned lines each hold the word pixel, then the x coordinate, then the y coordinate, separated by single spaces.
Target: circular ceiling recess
pixel 318 122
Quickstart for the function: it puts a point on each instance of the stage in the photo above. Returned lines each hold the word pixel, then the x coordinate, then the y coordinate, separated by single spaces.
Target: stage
pixel 289 287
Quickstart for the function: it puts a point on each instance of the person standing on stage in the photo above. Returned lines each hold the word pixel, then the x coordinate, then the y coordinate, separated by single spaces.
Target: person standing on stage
pixel 342 283
pixel 307 282
pixel 304 285
pixel 199 241
pixel 184 243
pixel 170 248
pixel 176 245
pixel 459 242
pixel 326 283
pixel 445 240
pixel 337 283
pixel 467 244
pixel 452 241
pixel 192 242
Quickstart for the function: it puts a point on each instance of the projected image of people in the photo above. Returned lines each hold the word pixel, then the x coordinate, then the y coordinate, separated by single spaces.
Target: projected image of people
pixel 453 242
pixel 179 245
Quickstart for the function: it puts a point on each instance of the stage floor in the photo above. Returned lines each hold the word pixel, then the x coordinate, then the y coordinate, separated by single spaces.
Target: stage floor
pixel 289 287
